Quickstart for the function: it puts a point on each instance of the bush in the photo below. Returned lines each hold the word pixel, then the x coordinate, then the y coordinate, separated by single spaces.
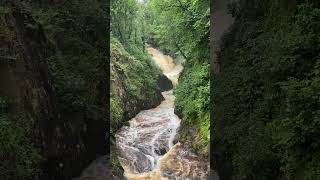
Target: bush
pixel 192 102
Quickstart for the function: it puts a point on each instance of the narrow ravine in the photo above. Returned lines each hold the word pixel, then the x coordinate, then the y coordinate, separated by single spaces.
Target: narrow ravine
pixel 146 148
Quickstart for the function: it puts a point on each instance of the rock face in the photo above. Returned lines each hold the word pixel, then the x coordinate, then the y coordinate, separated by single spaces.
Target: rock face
pixel 67 142
pixel 97 170
pixel 222 20
pixel 164 83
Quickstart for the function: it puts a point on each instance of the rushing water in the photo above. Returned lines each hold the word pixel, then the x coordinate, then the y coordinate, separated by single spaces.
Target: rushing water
pixel 146 148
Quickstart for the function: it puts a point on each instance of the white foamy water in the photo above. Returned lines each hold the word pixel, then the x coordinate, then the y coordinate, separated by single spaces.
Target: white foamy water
pixel 167 65
pixel 149 136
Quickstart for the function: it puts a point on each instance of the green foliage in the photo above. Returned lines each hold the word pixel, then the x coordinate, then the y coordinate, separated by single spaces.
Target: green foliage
pixel 123 15
pixel 312 171
pixel 267 96
pixel 128 22
pixel 77 30
pixel 19 157
pixel 116 115
pixel 193 92
pixel 182 27
pixel 192 102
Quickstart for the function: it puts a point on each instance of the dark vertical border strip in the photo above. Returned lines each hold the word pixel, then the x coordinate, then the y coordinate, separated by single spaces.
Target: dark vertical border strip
pixel 220 22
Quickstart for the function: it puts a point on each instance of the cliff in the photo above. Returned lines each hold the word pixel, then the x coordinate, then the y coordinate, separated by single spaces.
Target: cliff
pixel 53 88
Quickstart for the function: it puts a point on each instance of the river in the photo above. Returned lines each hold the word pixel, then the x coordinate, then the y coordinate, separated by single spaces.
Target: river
pixel 148 149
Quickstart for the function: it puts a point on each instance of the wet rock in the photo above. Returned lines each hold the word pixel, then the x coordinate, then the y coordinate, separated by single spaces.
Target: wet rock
pixel 181 163
pixel 97 170
pixel 175 141
pixel 164 83
pixel 142 163
pixel 161 151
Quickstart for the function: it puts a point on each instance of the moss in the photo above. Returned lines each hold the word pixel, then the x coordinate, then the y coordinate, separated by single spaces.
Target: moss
pixel 204 142
pixel 116 112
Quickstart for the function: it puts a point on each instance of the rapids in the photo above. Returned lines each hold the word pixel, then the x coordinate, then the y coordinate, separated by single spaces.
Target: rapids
pixel 146 148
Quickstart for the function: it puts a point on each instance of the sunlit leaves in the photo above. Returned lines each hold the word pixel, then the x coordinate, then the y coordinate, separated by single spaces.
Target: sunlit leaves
pixel 182 23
